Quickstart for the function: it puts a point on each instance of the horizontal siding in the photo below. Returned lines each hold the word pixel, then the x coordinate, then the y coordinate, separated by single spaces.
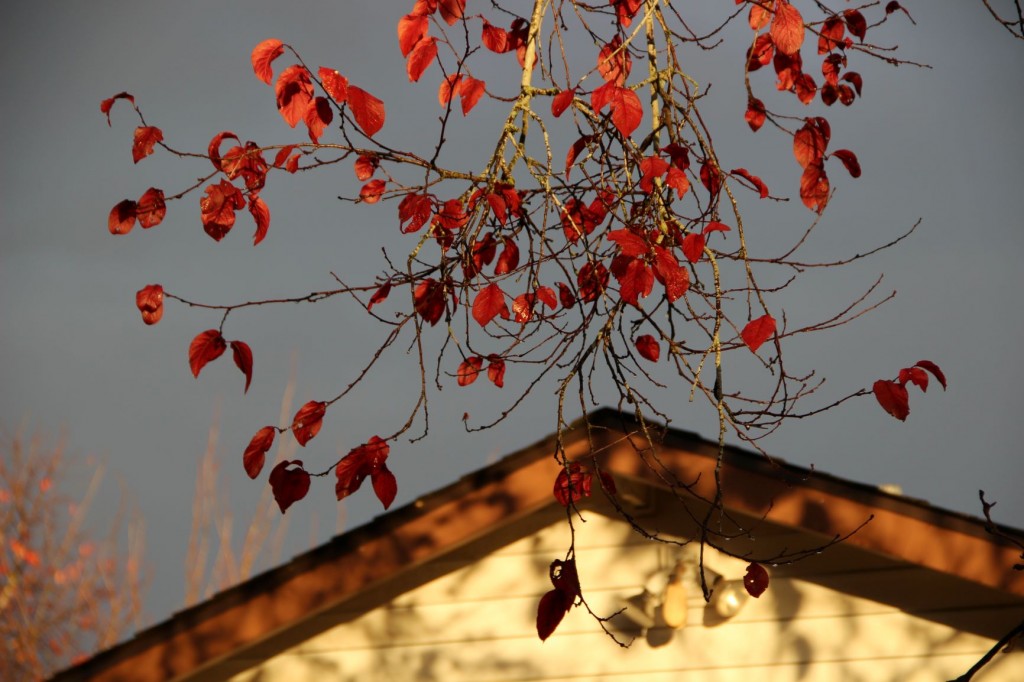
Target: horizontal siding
pixel 477 623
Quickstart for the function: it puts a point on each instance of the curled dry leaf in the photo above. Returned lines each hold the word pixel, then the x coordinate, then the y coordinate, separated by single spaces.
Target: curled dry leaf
pixel 262 57
pixel 150 302
pixel 151 208
pixel 289 485
pixel 243 360
pixel 205 347
pixel 256 452
pixel 755 580
pixel 108 103
pixel 146 138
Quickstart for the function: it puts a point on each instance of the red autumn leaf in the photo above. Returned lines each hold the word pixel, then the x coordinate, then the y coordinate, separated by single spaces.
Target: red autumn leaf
pixel 561 102
pixel 565 295
pixel 648 347
pixel 261 214
pixel 385 485
pixel 471 90
pixel 667 270
pixel 934 369
pixel 635 278
pixel 469 370
pixel 551 610
pixel 368 459
pixel 651 168
pixel 809 143
pixel 448 88
pixel 150 302
pixel 488 304
pixel 282 155
pixel 122 217
pixel 759 16
pixel 805 88
pixel 308 420
pixel 317 117
pixel 914 375
pixel 592 280
pixel 758 331
pixel 213 149
pixel 787 29
pixel 627 111
pixel 379 295
pixel 411 28
pixel 625 10
pixel 755 115
pixel 243 360
pixel 256 452
pixel 630 242
pixel 856 22
pixel 334 84
pixel 894 6
pixel 145 139
pixel 693 246
pixel 365 166
pixel 494 38
pixel 414 211
pixel 451 10
pixel 711 178
pixel 292 165
pixel 831 35
pixel 496 371
pixel 572 485
pixel 547 296
pixel 676 179
pixel 428 300
pixel 366 109
pixel 760 53
pixel 854 78
pixel 205 347
pixel 755 580
pixel 151 208
pixel 372 191
pixel 849 160
pixel 814 187
pixel 108 103
pixel 289 485
pixel 294 91
pixel 218 208
pixel 757 182
pixel 421 57
pixel 614 63
pixel 508 261
pixel 262 56
pixel 893 398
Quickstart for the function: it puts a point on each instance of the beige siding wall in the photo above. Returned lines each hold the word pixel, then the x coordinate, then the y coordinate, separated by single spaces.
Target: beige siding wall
pixel 476 623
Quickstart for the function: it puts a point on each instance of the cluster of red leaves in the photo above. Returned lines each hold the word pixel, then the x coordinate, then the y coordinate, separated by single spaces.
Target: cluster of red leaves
pixel 557 602
pixel 893 395
pixel 210 345
pixel 149 210
pixel 370 460
pixel 573 483
pixel 470 368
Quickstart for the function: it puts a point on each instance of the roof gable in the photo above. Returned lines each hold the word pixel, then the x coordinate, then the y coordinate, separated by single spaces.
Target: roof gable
pixel 508 499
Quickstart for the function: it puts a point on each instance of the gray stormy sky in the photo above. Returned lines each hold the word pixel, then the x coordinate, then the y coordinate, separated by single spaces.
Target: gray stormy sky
pixel 944 145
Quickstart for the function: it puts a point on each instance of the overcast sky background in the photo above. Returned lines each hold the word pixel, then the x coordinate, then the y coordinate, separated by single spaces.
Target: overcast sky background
pixel 944 145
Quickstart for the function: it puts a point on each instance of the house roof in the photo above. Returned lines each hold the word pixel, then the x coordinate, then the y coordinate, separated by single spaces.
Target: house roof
pixel 496 499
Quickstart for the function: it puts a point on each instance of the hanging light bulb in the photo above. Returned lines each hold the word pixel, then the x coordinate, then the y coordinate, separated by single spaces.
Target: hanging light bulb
pixel 673 603
pixel 728 598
